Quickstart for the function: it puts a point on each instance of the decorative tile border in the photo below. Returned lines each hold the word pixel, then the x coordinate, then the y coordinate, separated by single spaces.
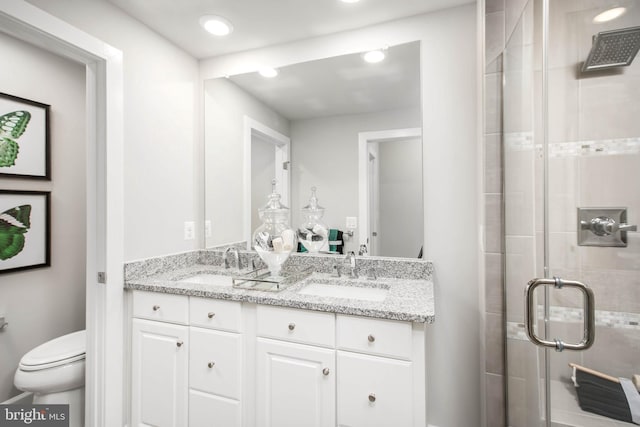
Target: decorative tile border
pixel 608 319
pixel 523 141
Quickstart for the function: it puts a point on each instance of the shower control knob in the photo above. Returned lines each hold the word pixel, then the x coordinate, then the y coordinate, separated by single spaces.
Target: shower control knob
pixel 605 226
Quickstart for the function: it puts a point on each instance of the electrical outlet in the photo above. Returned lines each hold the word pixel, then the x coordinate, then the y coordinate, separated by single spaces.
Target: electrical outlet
pixel 207 228
pixel 189 230
pixel 352 222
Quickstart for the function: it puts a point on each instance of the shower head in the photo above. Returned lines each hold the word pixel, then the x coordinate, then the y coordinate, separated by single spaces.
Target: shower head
pixel 615 48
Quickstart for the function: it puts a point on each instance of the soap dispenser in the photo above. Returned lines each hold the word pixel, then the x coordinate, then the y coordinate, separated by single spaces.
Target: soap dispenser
pixel 274 240
pixel 313 233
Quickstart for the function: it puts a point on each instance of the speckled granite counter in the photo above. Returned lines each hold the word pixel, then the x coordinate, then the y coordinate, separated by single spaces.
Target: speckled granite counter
pixel 408 298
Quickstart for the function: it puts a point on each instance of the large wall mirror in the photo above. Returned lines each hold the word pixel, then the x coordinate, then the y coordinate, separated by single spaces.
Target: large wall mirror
pixel 349 128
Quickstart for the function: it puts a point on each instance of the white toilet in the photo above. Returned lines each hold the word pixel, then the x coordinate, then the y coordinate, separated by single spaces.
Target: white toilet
pixel 54 372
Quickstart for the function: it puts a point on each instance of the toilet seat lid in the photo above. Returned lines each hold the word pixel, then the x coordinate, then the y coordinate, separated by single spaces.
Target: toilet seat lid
pixel 59 351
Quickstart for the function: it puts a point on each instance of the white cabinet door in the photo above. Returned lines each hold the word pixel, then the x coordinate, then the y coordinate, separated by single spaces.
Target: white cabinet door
pixel 374 391
pixel 215 362
pixel 159 374
pixel 295 385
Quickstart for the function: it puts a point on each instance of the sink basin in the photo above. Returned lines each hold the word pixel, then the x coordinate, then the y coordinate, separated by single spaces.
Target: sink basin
pixel 345 291
pixel 208 279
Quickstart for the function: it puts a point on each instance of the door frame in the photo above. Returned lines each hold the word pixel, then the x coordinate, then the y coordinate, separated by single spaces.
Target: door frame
pixel 364 138
pixel 104 210
pixel 282 145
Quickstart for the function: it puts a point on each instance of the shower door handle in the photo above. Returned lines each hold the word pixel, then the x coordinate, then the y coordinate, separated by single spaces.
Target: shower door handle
pixel 530 315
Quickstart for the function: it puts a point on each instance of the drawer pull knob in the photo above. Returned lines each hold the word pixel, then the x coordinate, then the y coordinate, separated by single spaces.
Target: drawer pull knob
pixel 211 364
pixel 292 326
pixel 325 371
pixel 371 338
pixel 156 307
pixel 210 314
pixel 372 397
pixel 179 343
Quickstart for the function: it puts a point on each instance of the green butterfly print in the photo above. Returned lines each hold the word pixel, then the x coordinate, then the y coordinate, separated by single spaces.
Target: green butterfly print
pixel 12 126
pixel 14 223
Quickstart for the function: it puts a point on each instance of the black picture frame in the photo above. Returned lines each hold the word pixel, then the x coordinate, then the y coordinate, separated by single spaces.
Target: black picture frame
pixel 24 138
pixel 25 233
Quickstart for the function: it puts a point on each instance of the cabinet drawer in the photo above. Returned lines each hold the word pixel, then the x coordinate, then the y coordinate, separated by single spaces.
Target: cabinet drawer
pixel 215 314
pixel 206 410
pixel 374 391
pixel 161 307
pixel 215 362
pixel 304 326
pixel 374 336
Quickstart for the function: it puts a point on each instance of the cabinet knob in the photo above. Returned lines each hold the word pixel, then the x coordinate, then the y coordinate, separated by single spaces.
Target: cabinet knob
pixel 292 326
pixel 371 338
pixel 156 307
pixel 211 364
pixel 210 314
pixel 372 397
pixel 325 371
pixel 179 343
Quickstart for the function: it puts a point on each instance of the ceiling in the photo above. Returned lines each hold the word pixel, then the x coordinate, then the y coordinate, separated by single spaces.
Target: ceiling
pixel 340 85
pixel 260 23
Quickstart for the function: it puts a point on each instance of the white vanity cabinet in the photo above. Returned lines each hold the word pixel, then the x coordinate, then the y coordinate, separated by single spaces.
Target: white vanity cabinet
pixel 159 357
pixel 295 368
pixel 215 363
pixel 207 362
pixel 375 373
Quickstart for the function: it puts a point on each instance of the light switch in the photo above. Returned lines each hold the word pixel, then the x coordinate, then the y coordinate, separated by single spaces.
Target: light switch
pixel 189 230
pixel 352 222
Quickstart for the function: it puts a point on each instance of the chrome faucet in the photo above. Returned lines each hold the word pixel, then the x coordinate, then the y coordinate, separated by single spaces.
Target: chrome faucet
pixel 351 259
pixel 236 255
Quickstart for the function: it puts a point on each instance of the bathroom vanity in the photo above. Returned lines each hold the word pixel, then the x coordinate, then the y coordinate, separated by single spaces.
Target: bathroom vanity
pixel 326 351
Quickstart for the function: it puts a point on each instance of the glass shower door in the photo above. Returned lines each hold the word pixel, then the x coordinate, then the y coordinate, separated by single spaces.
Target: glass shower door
pixel 572 196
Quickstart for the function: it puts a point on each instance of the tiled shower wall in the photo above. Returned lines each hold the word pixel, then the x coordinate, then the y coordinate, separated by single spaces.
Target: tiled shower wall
pixel 500 19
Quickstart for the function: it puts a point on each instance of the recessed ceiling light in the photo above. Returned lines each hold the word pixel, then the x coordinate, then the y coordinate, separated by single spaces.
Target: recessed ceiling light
pixel 268 72
pixel 216 25
pixel 374 56
pixel 610 14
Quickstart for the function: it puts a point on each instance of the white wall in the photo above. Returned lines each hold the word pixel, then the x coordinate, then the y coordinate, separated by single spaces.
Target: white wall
pixel 449 114
pixel 226 105
pixel 324 154
pixel 44 303
pixel 162 159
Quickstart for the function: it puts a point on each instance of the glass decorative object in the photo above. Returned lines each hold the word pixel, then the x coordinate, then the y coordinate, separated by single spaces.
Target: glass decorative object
pixel 274 240
pixel 313 233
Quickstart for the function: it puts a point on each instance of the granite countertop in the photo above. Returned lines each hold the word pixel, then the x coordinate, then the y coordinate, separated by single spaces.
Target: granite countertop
pixel 407 299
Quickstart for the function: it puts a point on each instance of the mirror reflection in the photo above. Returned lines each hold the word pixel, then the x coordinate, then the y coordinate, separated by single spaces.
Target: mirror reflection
pixel 348 128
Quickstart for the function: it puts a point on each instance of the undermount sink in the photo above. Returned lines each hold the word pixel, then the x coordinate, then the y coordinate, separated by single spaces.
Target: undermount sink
pixel 208 279
pixel 363 293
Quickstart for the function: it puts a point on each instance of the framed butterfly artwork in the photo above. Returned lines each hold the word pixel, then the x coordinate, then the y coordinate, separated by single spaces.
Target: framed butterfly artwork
pixel 24 230
pixel 24 138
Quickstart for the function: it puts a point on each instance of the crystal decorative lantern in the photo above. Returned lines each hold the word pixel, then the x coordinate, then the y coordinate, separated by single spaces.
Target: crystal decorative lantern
pixel 274 240
pixel 313 233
